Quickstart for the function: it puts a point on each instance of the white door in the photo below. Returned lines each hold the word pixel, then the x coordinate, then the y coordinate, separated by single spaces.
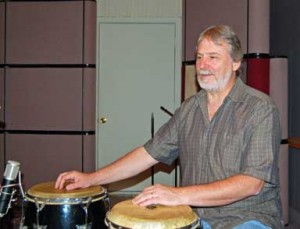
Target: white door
pixel 138 72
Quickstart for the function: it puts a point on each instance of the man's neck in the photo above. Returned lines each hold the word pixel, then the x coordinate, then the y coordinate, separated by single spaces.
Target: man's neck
pixel 215 98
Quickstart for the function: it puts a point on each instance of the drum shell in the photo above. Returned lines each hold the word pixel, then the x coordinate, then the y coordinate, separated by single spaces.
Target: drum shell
pixel 66 216
pixel 194 225
pixel 126 215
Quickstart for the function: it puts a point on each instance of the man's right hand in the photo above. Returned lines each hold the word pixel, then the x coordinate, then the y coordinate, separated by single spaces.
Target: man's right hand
pixel 73 180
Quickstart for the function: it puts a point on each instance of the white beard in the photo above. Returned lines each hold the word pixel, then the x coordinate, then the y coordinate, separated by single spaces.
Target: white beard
pixel 217 86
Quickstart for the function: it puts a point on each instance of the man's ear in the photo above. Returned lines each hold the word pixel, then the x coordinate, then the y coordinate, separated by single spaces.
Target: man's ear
pixel 236 65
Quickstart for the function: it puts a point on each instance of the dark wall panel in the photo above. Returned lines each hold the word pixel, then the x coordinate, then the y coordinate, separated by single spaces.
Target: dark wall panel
pixel 259 26
pixel 1 98
pixel 89 153
pixel 202 13
pixel 2 26
pixel 43 157
pixel 2 153
pixel 44 98
pixel 89 99
pixel 48 32
pixel 48 85
pixel 90 32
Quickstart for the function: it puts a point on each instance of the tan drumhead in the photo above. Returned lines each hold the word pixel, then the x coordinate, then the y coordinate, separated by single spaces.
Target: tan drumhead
pixel 48 191
pixel 126 214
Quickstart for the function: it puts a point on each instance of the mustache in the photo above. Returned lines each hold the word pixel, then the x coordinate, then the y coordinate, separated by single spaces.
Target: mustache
pixel 205 72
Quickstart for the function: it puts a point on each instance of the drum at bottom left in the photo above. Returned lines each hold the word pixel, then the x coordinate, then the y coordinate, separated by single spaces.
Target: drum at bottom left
pixel 48 207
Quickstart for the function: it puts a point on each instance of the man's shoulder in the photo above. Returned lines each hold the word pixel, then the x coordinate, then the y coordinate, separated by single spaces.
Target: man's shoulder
pixel 254 95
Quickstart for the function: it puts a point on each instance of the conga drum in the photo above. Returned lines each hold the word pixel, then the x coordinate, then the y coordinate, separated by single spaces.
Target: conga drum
pixel 48 207
pixel 127 215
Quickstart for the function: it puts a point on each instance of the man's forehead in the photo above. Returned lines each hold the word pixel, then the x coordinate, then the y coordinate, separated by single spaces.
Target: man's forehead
pixel 208 43
pixel 216 42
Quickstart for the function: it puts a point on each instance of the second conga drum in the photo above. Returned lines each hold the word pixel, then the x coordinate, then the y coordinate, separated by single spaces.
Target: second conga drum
pixel 52 208
pixel 127 215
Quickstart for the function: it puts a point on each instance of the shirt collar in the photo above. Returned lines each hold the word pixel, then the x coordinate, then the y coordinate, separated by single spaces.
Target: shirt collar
pixel 237 93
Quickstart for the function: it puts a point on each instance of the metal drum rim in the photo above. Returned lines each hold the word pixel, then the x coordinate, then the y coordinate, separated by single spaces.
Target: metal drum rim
pixel 193 225
pixel 62 201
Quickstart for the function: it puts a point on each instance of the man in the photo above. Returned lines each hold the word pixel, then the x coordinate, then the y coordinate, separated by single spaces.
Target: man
pixel 227 139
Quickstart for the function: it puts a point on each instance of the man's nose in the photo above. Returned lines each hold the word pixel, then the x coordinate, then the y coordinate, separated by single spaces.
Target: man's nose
pixel 202 63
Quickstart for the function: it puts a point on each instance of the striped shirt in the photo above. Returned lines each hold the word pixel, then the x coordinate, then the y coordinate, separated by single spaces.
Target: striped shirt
pixel 243 137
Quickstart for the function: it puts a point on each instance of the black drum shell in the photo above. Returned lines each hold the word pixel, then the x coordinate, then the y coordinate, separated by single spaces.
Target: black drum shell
pixel 66 216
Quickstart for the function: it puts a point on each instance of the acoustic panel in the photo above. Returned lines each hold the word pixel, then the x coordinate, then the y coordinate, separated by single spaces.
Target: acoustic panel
pixel 197 19
pixel 259 26
pixel 89 99
pixel 2 158
pixel 2 31
pixel 44 99
pixel 89 153
pixel 140 8
pixel 2 105
pixel 44 32
pixel 279 89
pixel 89 33
pixel 43 157
pixel 258 72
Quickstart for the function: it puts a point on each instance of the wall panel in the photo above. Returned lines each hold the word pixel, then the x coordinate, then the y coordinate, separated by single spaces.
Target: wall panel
pixel 2 162
pixel 2 29
pixel 89 99
pixel 89 33
pixel 48 86
pixel 259 26
pixel 279 89
pixel 44 98
pixel 2 105
pixel 89 149
pixel 43 157
pixel 45 32
pixel 199 14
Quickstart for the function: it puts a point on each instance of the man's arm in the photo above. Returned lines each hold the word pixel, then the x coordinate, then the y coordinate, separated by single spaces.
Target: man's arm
pixel 127 166
pixel 216 193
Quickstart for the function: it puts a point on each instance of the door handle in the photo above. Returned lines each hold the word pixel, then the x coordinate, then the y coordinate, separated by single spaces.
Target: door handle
pixel 102 120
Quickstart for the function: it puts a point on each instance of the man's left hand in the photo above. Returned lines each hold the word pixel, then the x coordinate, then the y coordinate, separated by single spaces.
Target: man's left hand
pixel 158 194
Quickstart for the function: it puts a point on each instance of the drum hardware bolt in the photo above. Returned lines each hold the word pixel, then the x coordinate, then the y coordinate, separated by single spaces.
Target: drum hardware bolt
pixel 151 206
pixel 107 204
pixel 39 208
pixel 85 208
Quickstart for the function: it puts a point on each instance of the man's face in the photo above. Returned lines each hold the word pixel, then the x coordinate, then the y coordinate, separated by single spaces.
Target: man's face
pixel 214 65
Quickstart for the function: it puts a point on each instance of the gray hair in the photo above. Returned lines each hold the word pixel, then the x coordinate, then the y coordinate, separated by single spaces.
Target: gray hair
pixel 224 33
